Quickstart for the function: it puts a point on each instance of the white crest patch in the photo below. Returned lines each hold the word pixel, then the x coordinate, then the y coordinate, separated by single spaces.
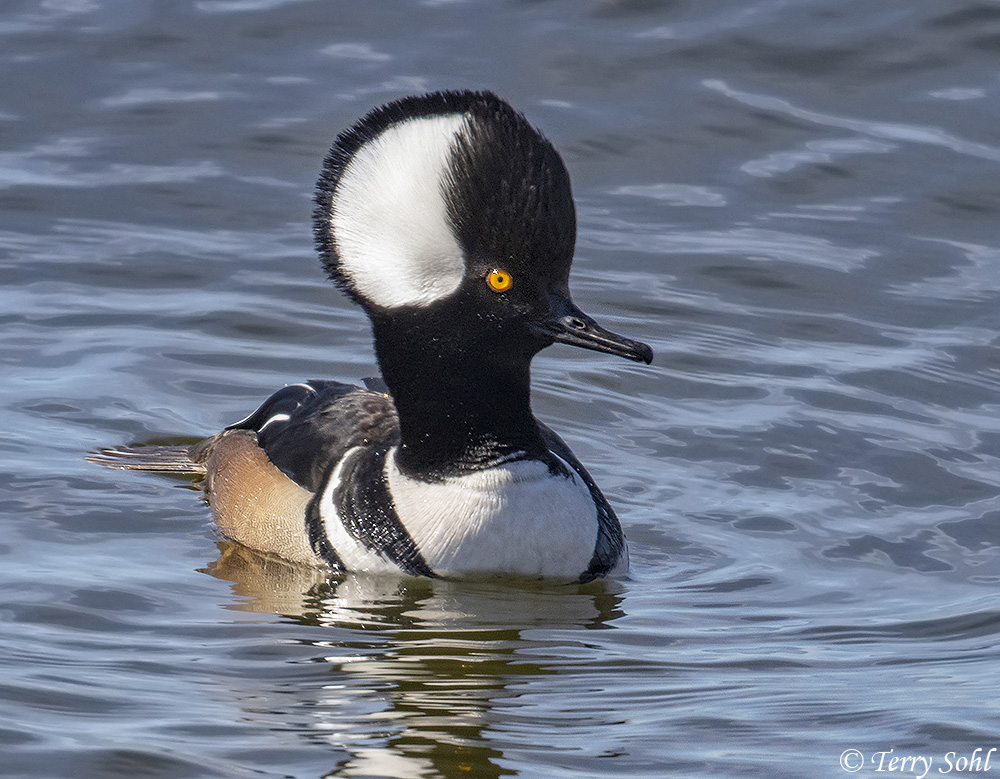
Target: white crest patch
pixel 389 216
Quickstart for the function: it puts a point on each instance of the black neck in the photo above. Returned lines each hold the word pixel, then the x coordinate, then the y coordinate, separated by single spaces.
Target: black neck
pixel 458 412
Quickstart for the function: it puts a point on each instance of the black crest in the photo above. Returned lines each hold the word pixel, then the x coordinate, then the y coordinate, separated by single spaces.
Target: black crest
pixel 507 192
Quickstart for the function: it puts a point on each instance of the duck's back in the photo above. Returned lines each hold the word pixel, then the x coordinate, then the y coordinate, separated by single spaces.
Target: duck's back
pixel 305 428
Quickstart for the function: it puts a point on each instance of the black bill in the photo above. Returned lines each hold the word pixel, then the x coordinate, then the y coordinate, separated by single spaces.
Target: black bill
pixel 567 324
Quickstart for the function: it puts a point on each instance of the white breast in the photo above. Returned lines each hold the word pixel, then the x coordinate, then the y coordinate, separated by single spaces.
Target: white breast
pixel 516 518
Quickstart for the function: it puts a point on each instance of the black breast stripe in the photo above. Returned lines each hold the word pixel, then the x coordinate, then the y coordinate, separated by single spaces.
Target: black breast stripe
pixel 610 539
pixel 317 534
pixel 365 507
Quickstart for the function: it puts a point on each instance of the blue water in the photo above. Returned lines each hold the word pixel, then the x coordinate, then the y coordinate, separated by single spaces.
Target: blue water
pixel 794 201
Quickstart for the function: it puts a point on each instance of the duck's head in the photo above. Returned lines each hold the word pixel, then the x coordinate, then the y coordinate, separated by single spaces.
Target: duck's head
pixel 449 217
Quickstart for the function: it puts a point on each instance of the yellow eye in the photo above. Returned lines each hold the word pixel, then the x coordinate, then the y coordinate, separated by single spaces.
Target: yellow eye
pixel 499 280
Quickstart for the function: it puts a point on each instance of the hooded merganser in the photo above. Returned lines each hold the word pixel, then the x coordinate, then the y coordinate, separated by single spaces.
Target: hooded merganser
pixel 449 219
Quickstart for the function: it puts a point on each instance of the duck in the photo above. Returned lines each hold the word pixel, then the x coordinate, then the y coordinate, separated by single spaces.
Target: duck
pixel 449 219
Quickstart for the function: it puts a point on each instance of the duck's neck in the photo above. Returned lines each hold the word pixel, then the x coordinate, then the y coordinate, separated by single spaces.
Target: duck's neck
pixel 457 412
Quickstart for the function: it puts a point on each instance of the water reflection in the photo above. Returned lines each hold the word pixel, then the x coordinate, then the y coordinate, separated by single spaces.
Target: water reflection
pixel 415 677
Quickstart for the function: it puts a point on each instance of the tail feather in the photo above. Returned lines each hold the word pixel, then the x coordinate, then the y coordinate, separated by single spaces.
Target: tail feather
pixel 169 459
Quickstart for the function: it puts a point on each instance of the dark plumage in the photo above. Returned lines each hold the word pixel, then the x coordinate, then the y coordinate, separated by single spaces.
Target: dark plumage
pixel 450 220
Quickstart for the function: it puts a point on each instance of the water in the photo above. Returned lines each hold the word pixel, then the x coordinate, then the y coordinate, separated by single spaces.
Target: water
pixel 794 201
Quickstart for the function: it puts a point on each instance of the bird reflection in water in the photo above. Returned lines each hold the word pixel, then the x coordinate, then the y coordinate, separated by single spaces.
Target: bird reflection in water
pixel 413 677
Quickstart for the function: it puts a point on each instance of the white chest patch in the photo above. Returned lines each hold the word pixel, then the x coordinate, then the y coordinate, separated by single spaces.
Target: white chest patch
pixel 516 518
pixel 389 216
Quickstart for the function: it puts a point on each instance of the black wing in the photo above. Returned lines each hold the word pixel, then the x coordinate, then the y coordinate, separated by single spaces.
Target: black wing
pixel 303 428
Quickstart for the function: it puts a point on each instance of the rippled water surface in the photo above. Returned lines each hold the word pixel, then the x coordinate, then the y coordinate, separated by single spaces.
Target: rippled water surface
pixel 794 201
